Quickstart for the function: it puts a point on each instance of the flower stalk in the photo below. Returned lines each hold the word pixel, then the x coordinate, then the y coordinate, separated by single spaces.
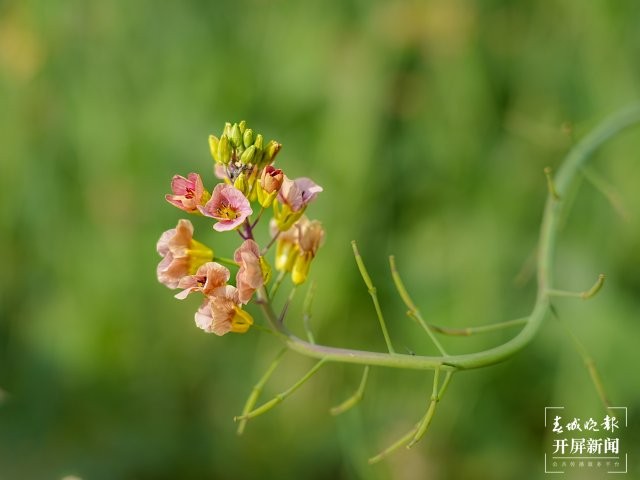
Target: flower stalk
pixel 244 164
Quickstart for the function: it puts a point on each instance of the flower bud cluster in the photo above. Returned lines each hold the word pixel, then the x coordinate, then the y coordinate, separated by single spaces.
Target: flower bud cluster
pixel 248 182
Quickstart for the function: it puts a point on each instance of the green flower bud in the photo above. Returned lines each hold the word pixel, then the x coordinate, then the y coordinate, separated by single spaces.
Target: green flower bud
pixel 259 141
pixel 242 126
pixel 241 183
pixel 259 144
pixel 236 136
pixel 224 150
pixel 248 155
pixel 271 150
pixel 213 147
pixel 227 129
pixel 247 137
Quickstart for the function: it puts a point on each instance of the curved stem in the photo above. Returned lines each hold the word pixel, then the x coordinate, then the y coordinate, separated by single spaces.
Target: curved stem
pixel 373 292
pixel 468 331
pixel 265 407
pixel 413 312
pixel 353 400
pixel 257 390
pixel 589 365
pixel 548 235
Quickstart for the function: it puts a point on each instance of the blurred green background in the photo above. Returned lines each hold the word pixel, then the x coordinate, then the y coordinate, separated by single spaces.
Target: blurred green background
pixel 428 124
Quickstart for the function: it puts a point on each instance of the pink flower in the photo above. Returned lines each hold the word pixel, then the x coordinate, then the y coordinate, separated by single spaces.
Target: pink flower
pixel 298 193
pixel 221 313
pixel 188 193
pixel 220 171
pixel 227 205
pixel 310 236
pixel 208 279
pixel 250 276
pixel 182 255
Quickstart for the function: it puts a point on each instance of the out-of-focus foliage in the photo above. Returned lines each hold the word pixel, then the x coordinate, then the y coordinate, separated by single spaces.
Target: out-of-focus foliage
pixel 428 124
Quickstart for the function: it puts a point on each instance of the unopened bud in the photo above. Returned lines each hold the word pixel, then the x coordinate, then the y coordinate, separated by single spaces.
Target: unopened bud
pixel 248 155
pixel 242 126
pixel 269 185
pixel 241 183
pixel 227 129
pixel 213 147
pixel 271 179
pixel 236 136
pixel 310 236
pixel 247 137
pixel 224 150
pixel 271 150
pixel 259 141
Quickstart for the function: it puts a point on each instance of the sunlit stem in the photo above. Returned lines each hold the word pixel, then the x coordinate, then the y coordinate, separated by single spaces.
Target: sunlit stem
pixel 467 331
pixel 257 389
pixel 549 230
pixel 587 294
pixel 607 190
pixel 590 365
pixel 354 399
pixel 276 284
pixel 374 295
pixel 306 312
pixel 551 184
pixel 413 310
pixel 265 407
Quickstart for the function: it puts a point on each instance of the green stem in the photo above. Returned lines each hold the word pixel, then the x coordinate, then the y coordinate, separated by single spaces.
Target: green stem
pixel 420 428
pixel 225 261
pixel 354 399
pixel 413 310
pixel 587 294
pixel 374 296
pixel 255 222
pixel 467 331
pixel 265 407
pixel 270 244
pixel 590 366
pixel 426 420
pixel 285 308
pixel 276 284
pixel 395 445
pixel 306 309
pixel 607 190
pixel 257 389
pixel 548 237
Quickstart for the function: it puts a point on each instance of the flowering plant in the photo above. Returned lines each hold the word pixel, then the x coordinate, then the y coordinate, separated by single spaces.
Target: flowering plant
pixel 244 165
pixel 249 185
